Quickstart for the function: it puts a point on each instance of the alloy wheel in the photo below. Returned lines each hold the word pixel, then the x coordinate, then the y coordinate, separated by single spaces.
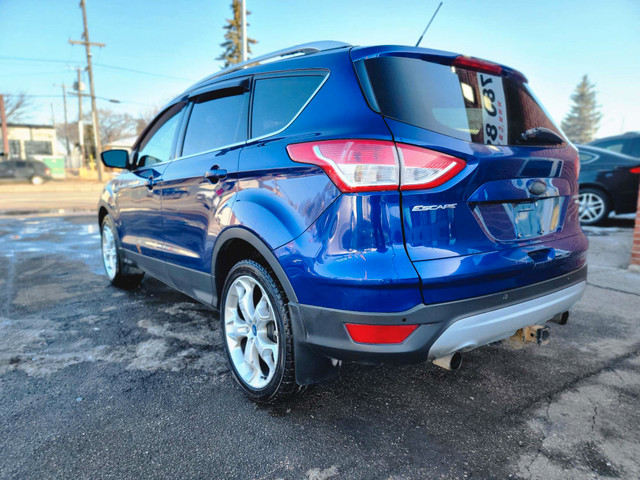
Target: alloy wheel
pixel 109 253
pixel 591 207
pixel 251 332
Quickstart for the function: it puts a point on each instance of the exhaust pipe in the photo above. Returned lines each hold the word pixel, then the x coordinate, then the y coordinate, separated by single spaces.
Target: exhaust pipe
pixel 450 362
pixel 560 319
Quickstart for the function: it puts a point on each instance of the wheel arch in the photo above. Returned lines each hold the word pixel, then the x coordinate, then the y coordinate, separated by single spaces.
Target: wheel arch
pixel 238 243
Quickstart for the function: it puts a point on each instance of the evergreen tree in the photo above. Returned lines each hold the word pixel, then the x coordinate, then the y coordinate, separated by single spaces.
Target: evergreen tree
pixel 233 37
pixel 582 122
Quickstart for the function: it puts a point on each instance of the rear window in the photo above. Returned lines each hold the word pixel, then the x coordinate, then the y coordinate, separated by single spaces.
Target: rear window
pixel 473 106
pixel 277 101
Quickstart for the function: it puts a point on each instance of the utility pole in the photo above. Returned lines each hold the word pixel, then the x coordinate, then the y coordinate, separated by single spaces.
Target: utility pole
pixel 244 30
pixel 80 125
pixel 66 121
pixel 94 111
pixel 5 130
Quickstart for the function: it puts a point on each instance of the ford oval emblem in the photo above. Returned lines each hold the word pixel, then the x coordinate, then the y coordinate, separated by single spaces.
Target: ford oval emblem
pixel 537 187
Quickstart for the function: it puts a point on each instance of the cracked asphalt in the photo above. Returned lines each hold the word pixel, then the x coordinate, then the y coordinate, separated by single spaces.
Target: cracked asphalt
pixel 101 383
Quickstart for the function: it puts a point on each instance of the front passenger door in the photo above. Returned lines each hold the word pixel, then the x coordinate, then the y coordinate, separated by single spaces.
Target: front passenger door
pixel 139 194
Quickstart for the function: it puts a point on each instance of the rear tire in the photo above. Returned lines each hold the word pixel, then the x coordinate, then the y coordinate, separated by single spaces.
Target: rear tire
pixel 37 180
pixel 594 206
pixel 256 333
pixel 120 274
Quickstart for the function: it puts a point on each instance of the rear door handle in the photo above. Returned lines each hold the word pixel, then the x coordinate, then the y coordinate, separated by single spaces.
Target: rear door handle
pixel 216 173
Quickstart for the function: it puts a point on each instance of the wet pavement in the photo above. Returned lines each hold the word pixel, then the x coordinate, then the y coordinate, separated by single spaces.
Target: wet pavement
pixel 101 383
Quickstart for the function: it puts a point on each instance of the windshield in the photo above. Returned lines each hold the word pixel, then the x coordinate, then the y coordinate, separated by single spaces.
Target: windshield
pixel 473 106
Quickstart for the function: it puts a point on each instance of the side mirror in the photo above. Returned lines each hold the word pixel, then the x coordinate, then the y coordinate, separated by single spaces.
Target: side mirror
pixel 115 158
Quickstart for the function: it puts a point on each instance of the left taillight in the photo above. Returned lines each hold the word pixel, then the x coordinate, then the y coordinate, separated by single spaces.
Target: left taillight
pixel 47 172
pixel 356 165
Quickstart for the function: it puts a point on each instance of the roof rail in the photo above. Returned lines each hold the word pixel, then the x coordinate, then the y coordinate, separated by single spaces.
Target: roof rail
pixel 305 49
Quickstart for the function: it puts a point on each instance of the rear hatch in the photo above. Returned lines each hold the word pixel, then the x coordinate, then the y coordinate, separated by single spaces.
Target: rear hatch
pixel 509 218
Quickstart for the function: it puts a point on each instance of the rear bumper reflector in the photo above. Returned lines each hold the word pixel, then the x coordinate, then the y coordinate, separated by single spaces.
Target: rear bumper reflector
pixel 380 334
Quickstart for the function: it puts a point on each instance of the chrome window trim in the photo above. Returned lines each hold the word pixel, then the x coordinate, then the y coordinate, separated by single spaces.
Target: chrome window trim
pixel 326 75
pixel 231 145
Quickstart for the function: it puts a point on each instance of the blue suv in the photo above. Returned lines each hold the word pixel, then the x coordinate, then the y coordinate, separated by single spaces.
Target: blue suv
pixel 334 203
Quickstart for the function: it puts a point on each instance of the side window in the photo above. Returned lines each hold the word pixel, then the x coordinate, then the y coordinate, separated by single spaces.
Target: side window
pixel 215 123
pixel 277 101
pixel 613 145
pixel 634 151
pixel 157 147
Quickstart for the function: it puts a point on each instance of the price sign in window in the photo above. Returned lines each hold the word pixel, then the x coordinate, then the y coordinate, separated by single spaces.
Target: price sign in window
pixel 494 110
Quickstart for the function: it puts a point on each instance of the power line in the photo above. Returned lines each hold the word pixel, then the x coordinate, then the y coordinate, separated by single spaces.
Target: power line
pixel 102 65
pixel 111 100
pixel 131 70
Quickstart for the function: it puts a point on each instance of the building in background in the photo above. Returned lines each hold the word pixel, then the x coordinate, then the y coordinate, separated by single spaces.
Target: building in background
pixel 40 142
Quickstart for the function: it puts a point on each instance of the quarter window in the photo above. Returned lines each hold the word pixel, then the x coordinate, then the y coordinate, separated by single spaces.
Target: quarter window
pixel 587 157
pixel 634 151
pixel 277 101
pixel 216 123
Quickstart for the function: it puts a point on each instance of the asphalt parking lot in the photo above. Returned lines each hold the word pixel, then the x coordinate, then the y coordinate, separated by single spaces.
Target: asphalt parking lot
pixel 101 383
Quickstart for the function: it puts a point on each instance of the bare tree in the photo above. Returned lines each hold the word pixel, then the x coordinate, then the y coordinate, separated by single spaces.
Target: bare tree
pixel 114 125
pixel 144 118
pixel 17 106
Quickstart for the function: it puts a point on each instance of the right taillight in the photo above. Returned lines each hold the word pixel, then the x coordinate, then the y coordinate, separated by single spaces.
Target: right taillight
pixel 635 170
pixel 357 165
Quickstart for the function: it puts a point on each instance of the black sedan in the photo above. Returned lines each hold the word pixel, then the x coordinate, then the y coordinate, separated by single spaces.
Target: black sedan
pixel 608 183
pixel 33 171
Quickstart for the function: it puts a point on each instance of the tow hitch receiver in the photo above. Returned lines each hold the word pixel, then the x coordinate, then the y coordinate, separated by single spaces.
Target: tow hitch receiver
pixel 534 334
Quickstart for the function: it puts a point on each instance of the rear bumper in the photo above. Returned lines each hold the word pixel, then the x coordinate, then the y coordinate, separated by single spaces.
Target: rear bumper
pixel 442 328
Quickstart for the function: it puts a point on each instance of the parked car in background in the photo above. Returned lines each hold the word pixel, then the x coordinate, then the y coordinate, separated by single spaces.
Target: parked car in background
pixel 608 183
pixel 627 143
pixel 33 171
pixel 383 204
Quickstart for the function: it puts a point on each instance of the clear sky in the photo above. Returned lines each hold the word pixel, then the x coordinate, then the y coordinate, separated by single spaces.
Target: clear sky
pixel 553 42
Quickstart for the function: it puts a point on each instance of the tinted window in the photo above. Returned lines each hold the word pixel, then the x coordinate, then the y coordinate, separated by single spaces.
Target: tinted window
pixel 277 101
pixel 157 147
pixel 216 123
pixel 472 106
pixel 634 151
pixel 613 145
pixel 37 147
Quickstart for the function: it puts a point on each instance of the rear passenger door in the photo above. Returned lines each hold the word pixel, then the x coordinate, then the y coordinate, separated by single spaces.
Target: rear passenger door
pixel 199 185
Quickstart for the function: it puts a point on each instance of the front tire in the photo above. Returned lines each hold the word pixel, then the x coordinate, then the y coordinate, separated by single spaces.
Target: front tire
pixel 120 274
pixel 256 333
pixel 593 206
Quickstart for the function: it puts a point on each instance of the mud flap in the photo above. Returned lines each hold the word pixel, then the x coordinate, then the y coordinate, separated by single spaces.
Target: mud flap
pixel 311 366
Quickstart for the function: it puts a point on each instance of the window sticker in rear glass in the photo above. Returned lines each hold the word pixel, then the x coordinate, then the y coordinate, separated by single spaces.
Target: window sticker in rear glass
pixel 494 111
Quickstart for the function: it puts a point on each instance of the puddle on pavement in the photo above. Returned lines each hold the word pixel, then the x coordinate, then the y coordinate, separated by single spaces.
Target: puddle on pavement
pixel 53 236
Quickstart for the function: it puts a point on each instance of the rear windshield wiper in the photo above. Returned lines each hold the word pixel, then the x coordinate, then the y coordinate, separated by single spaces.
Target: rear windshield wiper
pixel 541 136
